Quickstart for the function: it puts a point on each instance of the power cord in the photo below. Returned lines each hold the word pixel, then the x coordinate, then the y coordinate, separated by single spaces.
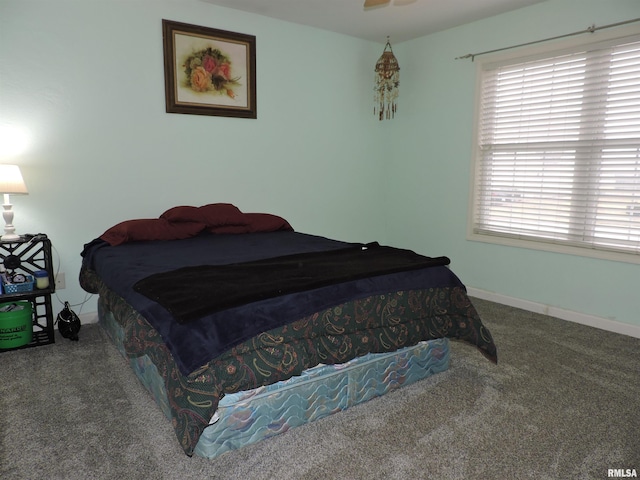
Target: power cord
pixel 87 295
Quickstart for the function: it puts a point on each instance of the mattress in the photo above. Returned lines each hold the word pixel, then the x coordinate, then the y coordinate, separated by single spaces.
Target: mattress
pixel 247 417
pixel 268 340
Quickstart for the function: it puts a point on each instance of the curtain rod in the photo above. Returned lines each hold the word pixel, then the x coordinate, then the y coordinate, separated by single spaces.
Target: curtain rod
pixel 591 29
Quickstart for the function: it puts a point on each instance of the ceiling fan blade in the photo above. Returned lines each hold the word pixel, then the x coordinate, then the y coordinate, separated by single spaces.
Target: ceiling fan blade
pixel 375 3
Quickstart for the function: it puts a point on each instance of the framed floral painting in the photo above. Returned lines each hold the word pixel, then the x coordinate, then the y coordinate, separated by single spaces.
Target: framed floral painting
pixel 209 71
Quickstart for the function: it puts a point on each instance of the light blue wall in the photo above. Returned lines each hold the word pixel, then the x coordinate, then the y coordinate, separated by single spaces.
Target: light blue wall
pixel 430 174
pixel 85 78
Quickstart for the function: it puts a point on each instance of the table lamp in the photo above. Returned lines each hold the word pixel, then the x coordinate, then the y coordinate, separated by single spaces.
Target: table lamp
pixel 11 182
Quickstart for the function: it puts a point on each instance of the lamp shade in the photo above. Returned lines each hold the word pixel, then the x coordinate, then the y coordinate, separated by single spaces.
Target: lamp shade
pixel 11 180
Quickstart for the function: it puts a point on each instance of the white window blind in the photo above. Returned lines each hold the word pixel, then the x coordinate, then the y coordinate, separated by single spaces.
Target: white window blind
pixel 559 149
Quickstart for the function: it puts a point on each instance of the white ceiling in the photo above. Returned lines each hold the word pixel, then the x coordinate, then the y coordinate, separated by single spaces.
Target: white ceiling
pixel 406 20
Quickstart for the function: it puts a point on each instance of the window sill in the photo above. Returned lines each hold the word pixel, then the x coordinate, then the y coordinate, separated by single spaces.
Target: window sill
pixel 550 246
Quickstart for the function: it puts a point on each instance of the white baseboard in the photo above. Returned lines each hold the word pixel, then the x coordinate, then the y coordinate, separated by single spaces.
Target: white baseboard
pixel 89 317
pixel 577 317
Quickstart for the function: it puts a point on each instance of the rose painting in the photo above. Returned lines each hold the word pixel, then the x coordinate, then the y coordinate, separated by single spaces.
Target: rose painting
pixel 206 74
pixel 208 71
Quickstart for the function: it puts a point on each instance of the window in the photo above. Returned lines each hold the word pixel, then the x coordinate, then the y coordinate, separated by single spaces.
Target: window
pixel 558 149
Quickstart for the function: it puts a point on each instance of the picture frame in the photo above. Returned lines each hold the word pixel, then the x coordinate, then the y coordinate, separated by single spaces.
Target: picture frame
pixel 209 71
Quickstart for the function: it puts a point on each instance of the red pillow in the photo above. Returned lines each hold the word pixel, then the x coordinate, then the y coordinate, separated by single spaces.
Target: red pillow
pixel 212 215
pixel 229 229
pixel 266 222
pixel 256 222
pixel 150 229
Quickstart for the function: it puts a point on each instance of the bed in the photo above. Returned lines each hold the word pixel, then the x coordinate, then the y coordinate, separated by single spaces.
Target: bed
pixel 241 327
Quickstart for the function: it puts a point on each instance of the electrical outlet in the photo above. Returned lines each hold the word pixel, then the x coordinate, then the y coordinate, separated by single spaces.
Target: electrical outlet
pixel 60 283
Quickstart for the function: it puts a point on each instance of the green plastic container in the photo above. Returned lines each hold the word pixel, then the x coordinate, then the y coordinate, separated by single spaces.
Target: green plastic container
pixel 16 325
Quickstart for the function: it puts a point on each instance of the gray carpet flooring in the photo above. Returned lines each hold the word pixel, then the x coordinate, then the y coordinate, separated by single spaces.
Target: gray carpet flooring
pixel 563 403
